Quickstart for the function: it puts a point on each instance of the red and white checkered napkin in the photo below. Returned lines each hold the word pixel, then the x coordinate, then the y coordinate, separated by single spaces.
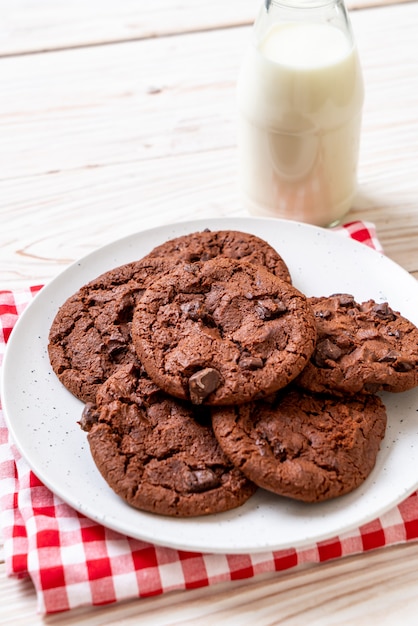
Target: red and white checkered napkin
pixel 74 561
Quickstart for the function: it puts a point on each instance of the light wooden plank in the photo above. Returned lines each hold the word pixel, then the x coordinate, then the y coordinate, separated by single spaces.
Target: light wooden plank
pixel 42 25
pixel 379 587
pixel 160 95
pixel 53 220
pixel 114 104
pixel 95 158
pixel 142 100
pixel 56 24
pixel 87 160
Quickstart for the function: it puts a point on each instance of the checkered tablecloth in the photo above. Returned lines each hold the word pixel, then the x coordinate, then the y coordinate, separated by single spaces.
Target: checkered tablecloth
pixel 73 561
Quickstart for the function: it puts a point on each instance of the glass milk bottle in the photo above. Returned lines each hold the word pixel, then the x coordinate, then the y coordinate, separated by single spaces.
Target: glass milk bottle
pixel 300 96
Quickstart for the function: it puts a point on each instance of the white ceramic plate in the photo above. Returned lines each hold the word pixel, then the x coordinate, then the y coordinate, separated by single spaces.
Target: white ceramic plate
pixel 42 415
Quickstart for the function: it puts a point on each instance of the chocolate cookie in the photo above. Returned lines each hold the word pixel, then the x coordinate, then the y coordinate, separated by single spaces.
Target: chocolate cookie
pixel 232 244
pixel 222 332
pixel 306 447
pixel 157 453
pixel 90 336
pixel 364 348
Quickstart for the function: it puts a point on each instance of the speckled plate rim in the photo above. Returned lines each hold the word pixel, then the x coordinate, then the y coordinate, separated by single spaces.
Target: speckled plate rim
pixel 42 416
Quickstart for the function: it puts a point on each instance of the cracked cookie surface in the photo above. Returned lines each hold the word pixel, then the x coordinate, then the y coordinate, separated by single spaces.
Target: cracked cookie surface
pixel 361 348
pixel 158 453
pixel 90 336
pixel 222 332
pixel 232 244
pixel 303 446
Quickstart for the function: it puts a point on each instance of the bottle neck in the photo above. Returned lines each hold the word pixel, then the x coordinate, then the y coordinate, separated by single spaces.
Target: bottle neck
pixel 302 4
pixel 330 12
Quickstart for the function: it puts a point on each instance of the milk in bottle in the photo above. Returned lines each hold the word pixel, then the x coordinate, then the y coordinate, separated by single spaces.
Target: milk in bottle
pixel 300 96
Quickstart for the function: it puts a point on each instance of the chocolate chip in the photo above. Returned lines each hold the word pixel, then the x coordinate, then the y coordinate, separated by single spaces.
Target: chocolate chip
pixel 89 417
pixel 345 299
pixel 270 308
pixel 383 311
pixel 325 351
pixel 250 363
pixel 195 310
pixel 202 480
pixel 202 383
pixel 372 387
pixel 404 366
pixel 390 357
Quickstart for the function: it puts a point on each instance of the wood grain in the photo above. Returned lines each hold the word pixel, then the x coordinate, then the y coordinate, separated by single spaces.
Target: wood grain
pixel 89 160
pixel 378 587
pixel 128 122
pixel 27 27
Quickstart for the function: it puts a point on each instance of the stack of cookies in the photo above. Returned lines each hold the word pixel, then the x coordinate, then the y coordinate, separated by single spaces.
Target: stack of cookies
pixel 206 375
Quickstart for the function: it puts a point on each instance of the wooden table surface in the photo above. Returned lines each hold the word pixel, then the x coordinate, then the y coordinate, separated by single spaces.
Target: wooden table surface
pixel 119 115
